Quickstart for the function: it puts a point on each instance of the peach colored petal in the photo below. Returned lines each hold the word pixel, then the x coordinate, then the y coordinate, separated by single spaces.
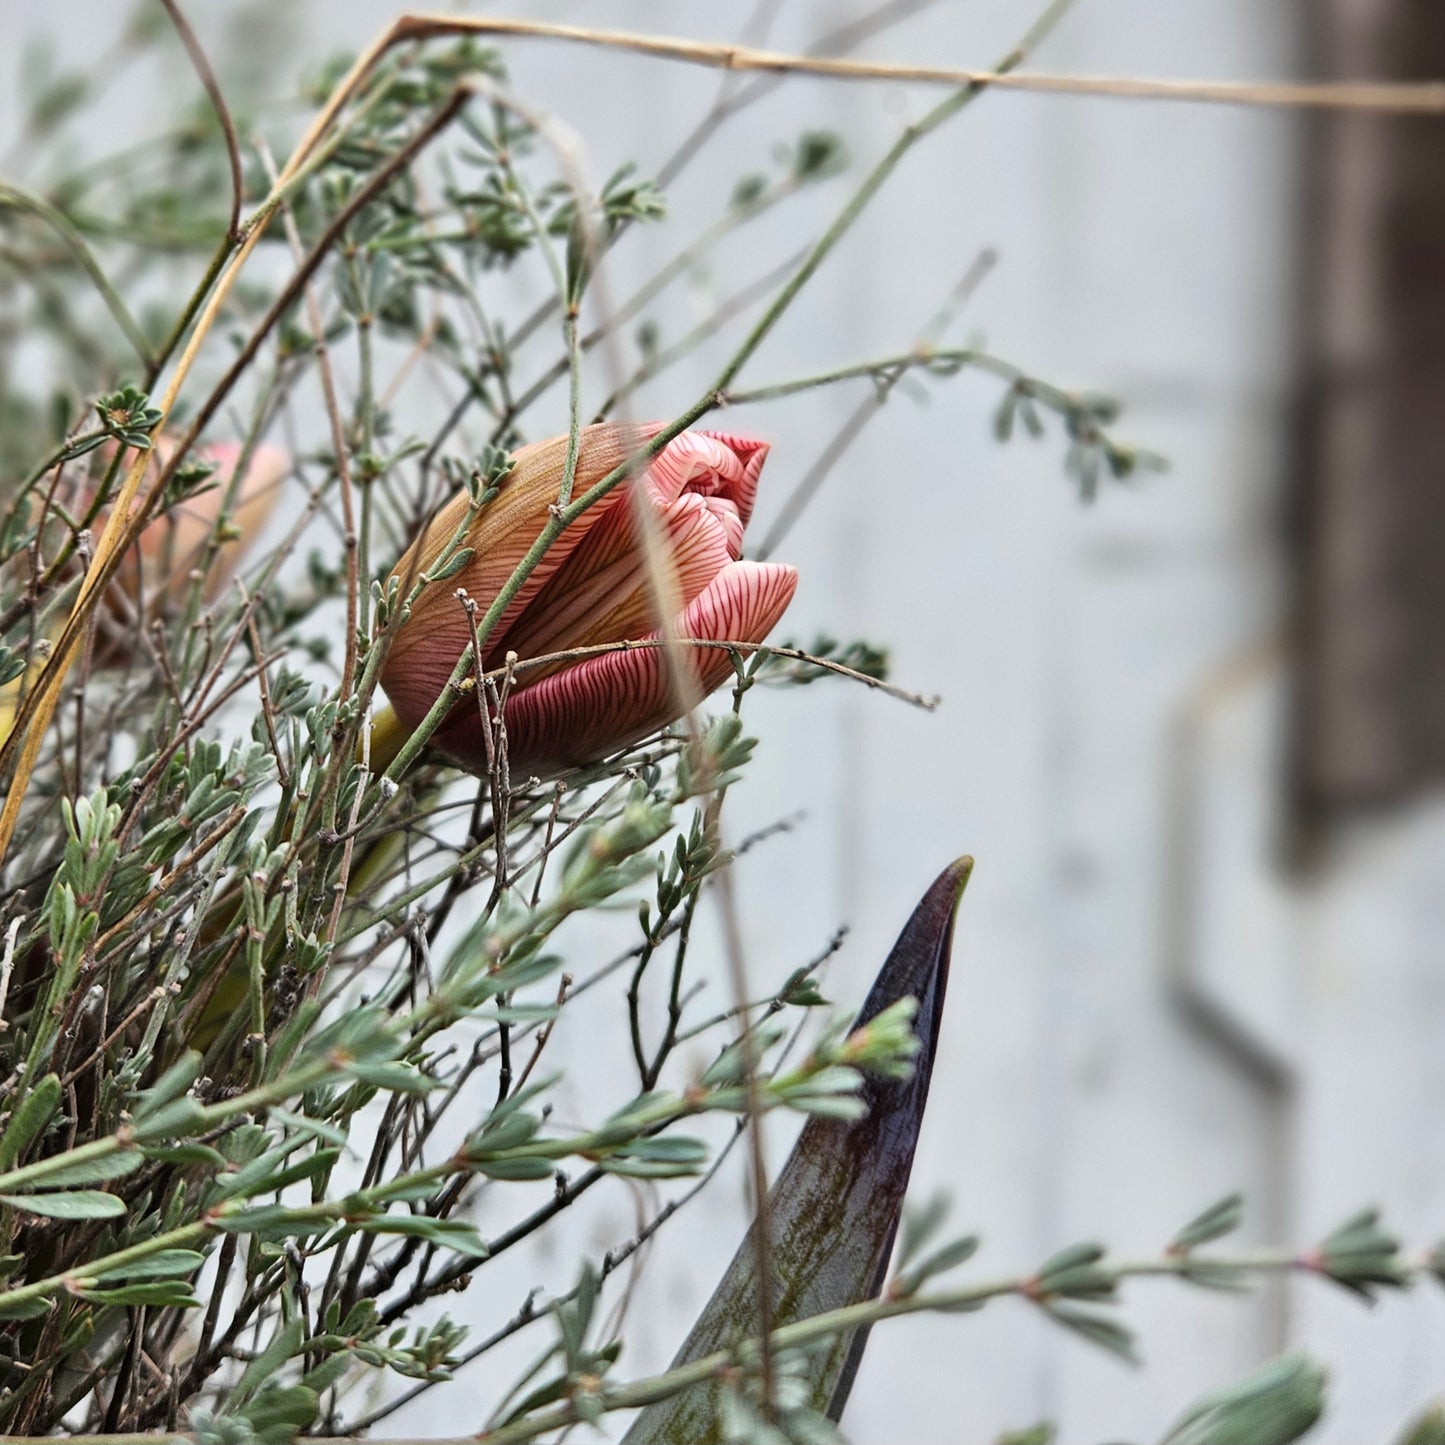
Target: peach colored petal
pixel 176 542
pixel 159 565
pixel 424 650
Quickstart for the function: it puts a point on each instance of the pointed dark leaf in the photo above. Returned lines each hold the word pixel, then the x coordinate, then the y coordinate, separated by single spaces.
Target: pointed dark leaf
pixel 834 1209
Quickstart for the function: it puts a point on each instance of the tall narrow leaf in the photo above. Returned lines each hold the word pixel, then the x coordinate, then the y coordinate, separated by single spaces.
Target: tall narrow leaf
pixel 833 1211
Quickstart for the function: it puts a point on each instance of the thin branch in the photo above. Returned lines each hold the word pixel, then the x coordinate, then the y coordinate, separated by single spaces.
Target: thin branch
pixel 832 1324
pixel 218 104
pixel 726 311
pixel 797 500
pixel 339 445
pixel 745 649
pixel 835 42
pixel 708 401
pixel 58 222
pixel 1381 97
pixel 838 41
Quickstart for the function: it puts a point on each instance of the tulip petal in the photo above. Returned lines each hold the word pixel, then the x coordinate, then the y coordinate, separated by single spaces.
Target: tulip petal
pixel 423 652
pixel 605 703
pixel 157 570
pixel 709 464
pixel 834 1208
pixel 752 453
pixel 603 593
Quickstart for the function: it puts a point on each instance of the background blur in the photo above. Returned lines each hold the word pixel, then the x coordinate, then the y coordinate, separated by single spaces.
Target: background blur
pixel 1188 730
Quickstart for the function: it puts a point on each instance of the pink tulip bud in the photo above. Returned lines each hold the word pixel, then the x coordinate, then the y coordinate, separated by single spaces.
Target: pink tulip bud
pixel 591 588
pixel 175 543
pixel 157 573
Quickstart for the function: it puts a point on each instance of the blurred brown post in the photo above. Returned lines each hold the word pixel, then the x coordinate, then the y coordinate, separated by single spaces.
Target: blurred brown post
pixel 1372 494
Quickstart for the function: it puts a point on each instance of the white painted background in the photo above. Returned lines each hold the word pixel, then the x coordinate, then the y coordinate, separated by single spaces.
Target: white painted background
pixel 1113 698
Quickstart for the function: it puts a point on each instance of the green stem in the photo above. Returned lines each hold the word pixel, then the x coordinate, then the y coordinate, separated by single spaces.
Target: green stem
pixel 569 323
pixel 62 226
pixel 829 1325
pixel 662 360
pixel 889 368
pixel 591 1144
pixel 64 452
pixel 366 408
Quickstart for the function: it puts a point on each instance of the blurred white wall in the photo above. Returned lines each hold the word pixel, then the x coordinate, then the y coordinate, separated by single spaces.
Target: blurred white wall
pixel 1144 1015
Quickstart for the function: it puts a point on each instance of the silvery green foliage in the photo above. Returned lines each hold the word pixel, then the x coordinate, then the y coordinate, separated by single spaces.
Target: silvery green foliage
pixel 277 1025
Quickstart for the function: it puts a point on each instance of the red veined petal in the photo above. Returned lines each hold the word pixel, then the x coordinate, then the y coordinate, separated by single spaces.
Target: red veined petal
pixel 751 453
pixel 602 704
pixel 603 592
pixel 711 464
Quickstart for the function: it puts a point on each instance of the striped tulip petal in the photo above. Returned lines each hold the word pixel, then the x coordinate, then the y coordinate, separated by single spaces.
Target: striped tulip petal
pixel 158 572
pixel 601 704
pixel 711 464
pixel 424 651
pixel 603 593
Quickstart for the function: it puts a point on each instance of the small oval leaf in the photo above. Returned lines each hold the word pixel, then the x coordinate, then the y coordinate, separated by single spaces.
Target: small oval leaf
pixel 74 1204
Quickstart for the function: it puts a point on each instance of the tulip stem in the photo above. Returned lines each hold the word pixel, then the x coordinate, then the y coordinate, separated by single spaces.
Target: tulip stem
pixel 574 404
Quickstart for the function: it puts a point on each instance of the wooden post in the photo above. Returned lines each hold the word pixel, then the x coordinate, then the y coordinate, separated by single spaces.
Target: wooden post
pixel 1371 716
